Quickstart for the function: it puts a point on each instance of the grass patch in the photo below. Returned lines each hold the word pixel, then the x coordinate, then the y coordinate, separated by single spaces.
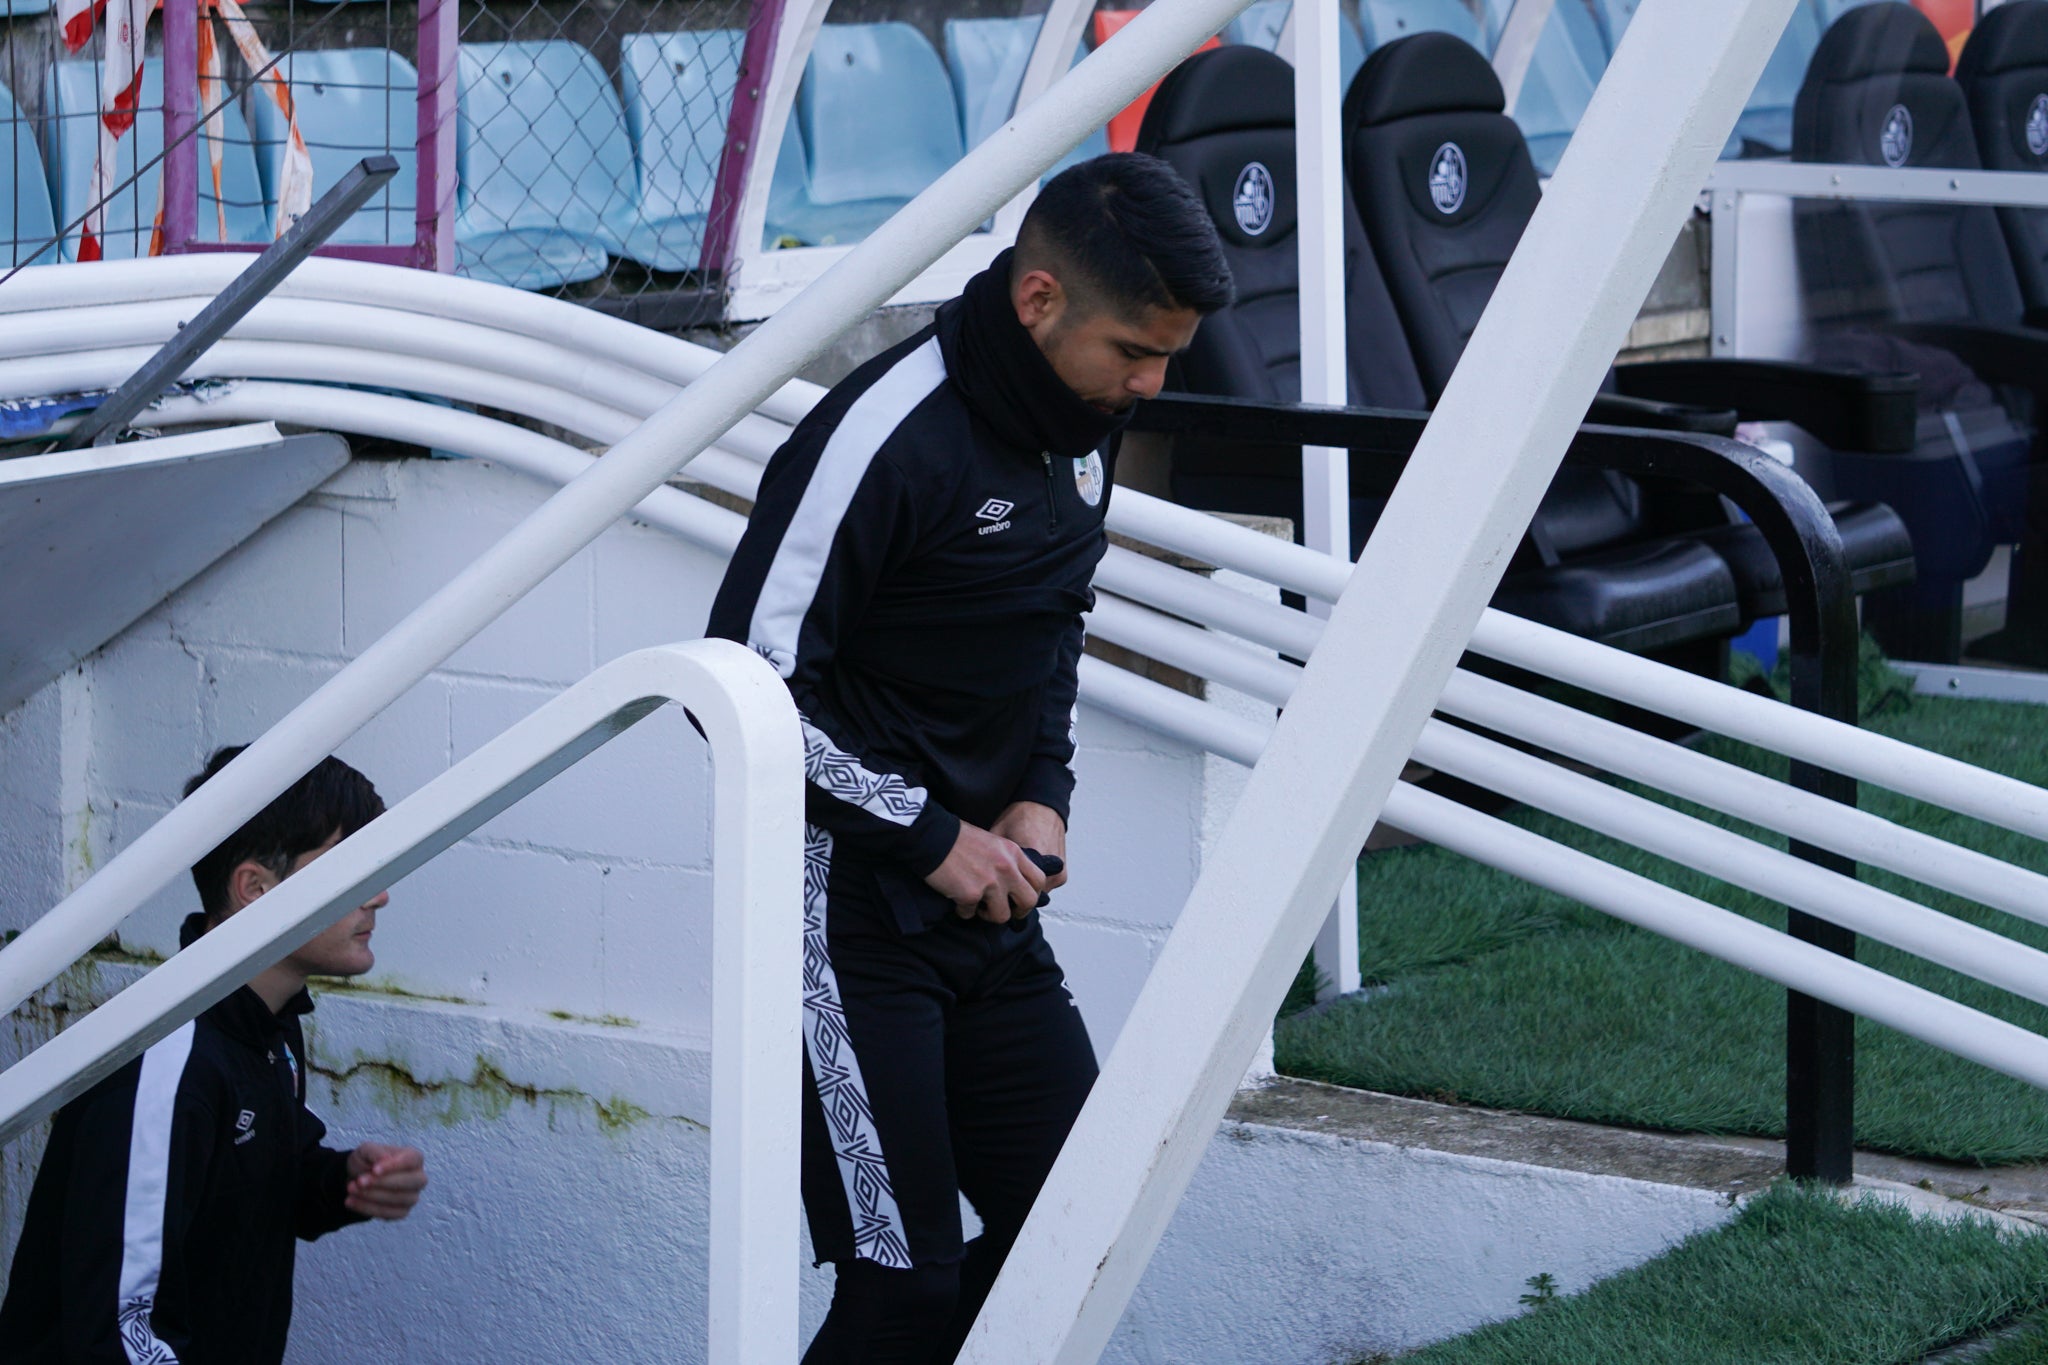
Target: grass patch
pixel 1797 1278
pixel 1505 995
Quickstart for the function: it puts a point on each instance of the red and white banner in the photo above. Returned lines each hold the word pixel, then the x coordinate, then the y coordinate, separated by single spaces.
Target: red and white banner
pixel 121 89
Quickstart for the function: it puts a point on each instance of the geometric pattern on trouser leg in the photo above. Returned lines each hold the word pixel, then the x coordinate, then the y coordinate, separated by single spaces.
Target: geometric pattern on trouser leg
pixel 877 1222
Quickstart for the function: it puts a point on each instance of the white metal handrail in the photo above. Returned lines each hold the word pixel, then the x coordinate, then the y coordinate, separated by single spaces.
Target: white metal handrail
pixel 750 723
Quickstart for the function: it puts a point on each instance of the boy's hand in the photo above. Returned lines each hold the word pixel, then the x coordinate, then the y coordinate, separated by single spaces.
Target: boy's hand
pixel 384 1182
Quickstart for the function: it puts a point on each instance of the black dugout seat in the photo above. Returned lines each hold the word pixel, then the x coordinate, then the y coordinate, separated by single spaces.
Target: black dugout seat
pixel 1225 120
pixel 1444 187
pixel 1932 286
pixel 2004 75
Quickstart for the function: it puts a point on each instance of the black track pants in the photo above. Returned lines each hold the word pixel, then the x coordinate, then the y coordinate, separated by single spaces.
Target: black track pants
pixel 938 1064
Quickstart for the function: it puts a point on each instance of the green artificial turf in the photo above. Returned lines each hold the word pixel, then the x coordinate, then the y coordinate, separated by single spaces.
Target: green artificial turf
pixel 1499 994
pixel 1798 1278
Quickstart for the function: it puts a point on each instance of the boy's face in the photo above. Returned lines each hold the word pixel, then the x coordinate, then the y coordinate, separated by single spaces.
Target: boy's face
pixel 343 948
pixel 1109 359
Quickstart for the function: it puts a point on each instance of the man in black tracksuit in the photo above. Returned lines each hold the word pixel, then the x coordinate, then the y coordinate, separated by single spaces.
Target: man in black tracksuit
pixel 161 1227
pixel 917 566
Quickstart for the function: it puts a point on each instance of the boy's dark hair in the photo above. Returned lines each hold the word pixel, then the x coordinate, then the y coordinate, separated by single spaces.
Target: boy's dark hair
pixel 1124 231
pixel 332 799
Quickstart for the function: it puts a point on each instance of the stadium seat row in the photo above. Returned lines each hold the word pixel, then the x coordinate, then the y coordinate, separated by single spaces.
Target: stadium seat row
pixel 560 170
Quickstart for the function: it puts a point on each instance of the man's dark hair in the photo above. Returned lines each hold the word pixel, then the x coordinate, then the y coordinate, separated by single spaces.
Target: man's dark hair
pixel 1124 231
pixel 332 799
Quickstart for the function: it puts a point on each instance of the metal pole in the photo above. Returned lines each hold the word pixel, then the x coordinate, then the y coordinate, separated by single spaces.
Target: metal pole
pixel 440 38
pixel 248 289
pixel 950 208
pixel 742 137
pixel 181 118
pixel 1325 470
pixel 1561 311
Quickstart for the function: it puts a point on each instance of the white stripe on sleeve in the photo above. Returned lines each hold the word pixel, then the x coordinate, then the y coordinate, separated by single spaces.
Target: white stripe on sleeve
pixel 149 1170
pixel 799 564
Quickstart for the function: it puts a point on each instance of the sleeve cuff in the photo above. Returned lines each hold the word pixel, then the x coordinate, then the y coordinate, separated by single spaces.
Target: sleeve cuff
pixel 931 838
pixel 1048 782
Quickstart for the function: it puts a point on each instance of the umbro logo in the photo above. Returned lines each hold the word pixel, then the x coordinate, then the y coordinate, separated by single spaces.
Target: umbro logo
pixel 996 512
pixel 245 1126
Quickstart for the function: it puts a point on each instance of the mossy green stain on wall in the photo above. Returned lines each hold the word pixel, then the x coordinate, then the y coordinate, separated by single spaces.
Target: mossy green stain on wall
pixel 486 1094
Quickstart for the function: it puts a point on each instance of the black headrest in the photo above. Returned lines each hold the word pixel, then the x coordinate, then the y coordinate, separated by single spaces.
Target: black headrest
pixel 1226 89
pixel 1424 73
pixel 1878 40
pixel 2012 37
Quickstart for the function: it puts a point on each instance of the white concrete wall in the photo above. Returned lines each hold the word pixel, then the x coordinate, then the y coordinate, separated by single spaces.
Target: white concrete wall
pixel 1296 1248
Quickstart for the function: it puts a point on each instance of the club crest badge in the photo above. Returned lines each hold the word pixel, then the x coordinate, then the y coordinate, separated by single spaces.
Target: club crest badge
pixel 1448 178
pixel 1895 139
pixel 2037 126
pixel 1252 200
pixel 1088 478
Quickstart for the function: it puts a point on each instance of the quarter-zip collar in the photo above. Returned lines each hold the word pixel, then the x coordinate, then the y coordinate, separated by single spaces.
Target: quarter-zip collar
pixel 1005 377
pixel 243 1016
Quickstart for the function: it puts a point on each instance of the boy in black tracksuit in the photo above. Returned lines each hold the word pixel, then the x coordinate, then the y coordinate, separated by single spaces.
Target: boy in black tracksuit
pixel 161 1226
pixel 916 567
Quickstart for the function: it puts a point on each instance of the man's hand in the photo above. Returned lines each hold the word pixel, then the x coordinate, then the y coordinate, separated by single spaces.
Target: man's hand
pixel 1030 825
pixel 384 1182
pixel 989 876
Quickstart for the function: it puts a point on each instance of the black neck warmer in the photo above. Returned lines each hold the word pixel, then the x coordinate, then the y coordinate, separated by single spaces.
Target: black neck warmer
pixel 1007 379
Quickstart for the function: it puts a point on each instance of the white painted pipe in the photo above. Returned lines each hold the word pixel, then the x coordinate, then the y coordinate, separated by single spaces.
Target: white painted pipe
pixel 1841 981
pixel 1764 801
pixel 1987 796
pixel 583 330
pixel 757 881
pixel 553 462
pixel 951 207
pixel 376 330
pixel 1720 933
pixel 1644 824
pixel 1728 856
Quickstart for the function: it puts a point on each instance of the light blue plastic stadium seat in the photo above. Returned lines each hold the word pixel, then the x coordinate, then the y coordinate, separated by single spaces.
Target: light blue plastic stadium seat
pixel 1827 11
pixel 678 93
pixel 1570 56
pixel 545 164
pixel 1386 20
pixel 1765 127
pixel 351 104
pixel 878 123
pixel 1260 26
pixel 71 106
pixel 986 58
pixel 15 8
pixel 26 221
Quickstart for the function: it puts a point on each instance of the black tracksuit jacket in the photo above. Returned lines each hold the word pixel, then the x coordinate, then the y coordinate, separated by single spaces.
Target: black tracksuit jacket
pixel 162 1221
pixel 917 566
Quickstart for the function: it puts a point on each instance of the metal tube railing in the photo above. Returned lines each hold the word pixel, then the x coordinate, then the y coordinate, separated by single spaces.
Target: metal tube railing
pixel 749 720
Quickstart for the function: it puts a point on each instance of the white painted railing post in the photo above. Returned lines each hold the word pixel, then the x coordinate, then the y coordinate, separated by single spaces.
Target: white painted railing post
pixel 1325 472
pixel 1560 313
